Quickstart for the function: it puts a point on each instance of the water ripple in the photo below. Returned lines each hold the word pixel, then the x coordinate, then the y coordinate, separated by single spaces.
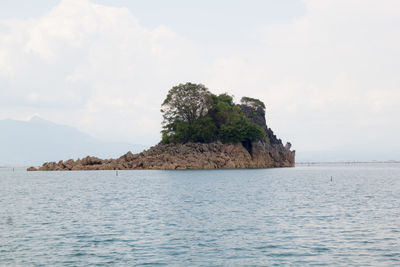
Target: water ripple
pixel 271 217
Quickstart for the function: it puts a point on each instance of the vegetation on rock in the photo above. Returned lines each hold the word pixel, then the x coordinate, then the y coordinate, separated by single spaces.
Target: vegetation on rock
pixel 193 114
pixel 201 130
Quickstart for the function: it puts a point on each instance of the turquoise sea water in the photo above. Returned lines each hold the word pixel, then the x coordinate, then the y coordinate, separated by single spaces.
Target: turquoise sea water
pixel 292 216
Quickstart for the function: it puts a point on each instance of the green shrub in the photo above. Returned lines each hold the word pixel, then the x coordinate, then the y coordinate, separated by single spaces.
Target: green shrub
pixel 192 114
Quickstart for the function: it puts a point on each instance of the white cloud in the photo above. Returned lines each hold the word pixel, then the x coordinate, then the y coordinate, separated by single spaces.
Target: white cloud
pixel 325 74
pixel 97 60
pixel 328 78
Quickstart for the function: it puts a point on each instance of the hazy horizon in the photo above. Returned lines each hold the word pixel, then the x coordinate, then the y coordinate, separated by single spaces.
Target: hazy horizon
pixel 37 140
pixel 326 70
pixel 33 142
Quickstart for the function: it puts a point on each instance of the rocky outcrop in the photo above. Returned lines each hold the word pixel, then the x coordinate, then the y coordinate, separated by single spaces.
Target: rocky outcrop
pixel 257 116
pixel 268 152
pixel 188 156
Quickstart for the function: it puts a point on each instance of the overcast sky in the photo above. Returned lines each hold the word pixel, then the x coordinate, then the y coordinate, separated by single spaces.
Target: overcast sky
pixel 328 71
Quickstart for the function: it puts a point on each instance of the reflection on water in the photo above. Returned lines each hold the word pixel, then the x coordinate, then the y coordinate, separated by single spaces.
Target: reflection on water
pixel 296 216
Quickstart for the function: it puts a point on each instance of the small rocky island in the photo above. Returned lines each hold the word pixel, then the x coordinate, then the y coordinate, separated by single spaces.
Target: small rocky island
pixel 200 131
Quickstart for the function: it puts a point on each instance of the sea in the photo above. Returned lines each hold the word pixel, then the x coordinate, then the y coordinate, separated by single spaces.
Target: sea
pixel 309 215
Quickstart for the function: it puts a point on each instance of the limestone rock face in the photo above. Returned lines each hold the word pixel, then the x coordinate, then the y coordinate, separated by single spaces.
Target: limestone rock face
pixel 257 117
pixel 187 156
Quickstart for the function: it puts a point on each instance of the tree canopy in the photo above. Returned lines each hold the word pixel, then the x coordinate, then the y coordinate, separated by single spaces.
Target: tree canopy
pixel 193 114
pixel 186 103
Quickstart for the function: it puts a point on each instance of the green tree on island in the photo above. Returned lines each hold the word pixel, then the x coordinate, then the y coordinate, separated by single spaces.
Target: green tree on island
pixel 193 114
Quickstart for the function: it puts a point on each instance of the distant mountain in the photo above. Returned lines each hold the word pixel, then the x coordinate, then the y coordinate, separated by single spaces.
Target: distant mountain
pixel 33 142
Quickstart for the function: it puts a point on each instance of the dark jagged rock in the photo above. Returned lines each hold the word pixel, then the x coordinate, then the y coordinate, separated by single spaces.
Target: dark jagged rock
pixel 257 116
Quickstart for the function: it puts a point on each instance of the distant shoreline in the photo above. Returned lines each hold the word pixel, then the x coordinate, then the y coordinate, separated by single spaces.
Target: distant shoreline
pixel 346 162
pixel 11 167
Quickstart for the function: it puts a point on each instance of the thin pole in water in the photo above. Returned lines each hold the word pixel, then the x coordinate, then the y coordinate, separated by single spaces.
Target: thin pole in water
pixel 331 178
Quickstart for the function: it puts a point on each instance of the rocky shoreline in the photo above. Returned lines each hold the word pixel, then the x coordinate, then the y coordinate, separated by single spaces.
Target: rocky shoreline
pixel 186 156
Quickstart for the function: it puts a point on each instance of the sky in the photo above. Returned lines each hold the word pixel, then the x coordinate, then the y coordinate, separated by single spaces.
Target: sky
pixel 327 70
